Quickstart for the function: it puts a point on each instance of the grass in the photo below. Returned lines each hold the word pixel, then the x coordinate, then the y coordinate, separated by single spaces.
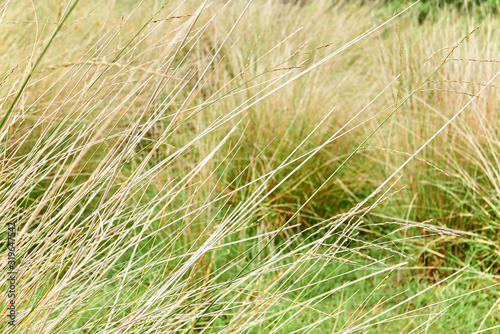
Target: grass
pixel 263 167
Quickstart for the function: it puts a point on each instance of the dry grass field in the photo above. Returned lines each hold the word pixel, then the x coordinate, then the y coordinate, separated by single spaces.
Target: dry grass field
pixel 261 166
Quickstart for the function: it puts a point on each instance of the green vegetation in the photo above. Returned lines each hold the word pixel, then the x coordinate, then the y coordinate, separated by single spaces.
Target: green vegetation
pixel 281 167
pixel 431 9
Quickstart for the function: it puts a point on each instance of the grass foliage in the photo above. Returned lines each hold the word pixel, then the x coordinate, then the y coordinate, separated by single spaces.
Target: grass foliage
pixel 250 167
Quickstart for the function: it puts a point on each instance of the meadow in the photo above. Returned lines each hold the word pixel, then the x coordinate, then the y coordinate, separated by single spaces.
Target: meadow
pixel 265 166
